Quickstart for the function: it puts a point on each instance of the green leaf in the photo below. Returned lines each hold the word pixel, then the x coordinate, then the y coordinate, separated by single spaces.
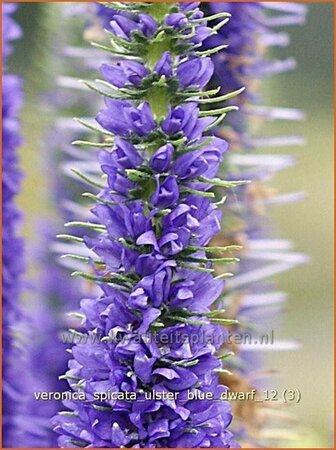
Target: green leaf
pixel 98 199
pixel 93 144
pixel 224 321
pixel 127 244
pixel 76 443
pixel 186 321
pixel 193 148
pixel 211 51
pixel 215 122
pixel 215 112
pixel 93 127
pixel 215 313
pixel 196 268
pixel 220 24
pixel 196 248
pixel 226 355
pixel 115 52
pixel 69 237
pixel 213 17
pixel 83 259
pixel 200 93
pixel 110 278
pixel 92 226
pixel 196 192
pixel 223 371
pixel 102 408
pixel 221 201
pixel 77 315
pixel 129 92
pixel 224 275
pixel 68 413
pixel 129 7
pixel 223 183
pixel 185 363
pixel 137 175
pixel 222 98
pixel 185 37
pixel 77 333
pixel 206 260
pixel 69 377
pixel 177 142
pixel 88 179
pixel 91 86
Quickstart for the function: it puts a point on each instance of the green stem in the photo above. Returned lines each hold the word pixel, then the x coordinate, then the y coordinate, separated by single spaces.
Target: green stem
pixel 158 96
pixel 159 10
pixel 158 99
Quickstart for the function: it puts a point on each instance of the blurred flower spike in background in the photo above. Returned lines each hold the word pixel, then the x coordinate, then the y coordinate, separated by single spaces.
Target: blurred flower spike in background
pixel 166 182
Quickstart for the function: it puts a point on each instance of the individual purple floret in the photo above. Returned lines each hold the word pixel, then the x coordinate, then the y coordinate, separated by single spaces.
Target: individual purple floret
pixel 147 370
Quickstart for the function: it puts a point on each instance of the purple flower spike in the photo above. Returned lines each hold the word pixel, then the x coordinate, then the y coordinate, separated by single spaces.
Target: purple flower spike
pixel 10 29
pixel 252 35
pixel 20 428
pixel 152 337
pixel 14 320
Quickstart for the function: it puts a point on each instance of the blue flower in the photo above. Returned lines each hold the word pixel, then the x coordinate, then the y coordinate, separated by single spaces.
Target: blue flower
pixel 195 73
pixel 123 118
pixel 166 193
pixel 124 27
pixel 162 158
pixel 185 120
pixel 150 332
pixel 124 72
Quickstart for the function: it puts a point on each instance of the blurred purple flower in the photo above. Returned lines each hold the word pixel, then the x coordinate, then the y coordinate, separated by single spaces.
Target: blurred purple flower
pixel 13 265
pixel 248 34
